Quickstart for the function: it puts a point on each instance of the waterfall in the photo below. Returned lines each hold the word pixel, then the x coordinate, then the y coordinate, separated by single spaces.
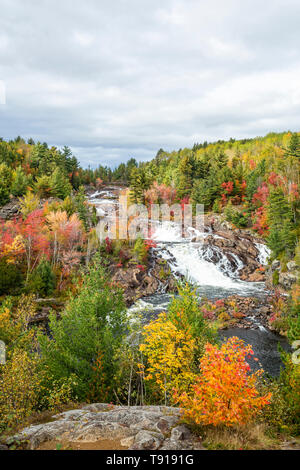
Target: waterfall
pixel 263 253
pixel 203 264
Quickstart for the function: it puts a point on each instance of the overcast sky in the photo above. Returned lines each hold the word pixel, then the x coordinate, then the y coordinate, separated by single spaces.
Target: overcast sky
pixel 120 78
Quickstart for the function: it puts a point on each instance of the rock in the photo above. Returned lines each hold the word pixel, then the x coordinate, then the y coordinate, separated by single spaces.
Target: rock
pixel 146 440
pixel 10 210
pixel 127 442
pixel 256 277
pixel 286 280
pixel 292 266
pixel 166 423
pixel 275 265
pixel 137 428
pixel 180 433
pixel 3 447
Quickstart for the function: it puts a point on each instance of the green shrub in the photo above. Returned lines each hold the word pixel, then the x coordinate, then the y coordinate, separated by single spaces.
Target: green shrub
pixel 10 278
pixel 42 280
pixel 92 322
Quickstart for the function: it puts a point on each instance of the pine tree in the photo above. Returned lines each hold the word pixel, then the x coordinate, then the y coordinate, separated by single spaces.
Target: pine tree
pixel 59 183
pixel 185 183
pixel 281 235
pixel 81 207
pixel 293 150
pixel 139 182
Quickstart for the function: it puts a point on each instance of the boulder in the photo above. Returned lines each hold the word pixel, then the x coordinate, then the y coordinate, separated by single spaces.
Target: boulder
pixel 292 266
pixel 286 280
pixel 146 440
pixel 275 265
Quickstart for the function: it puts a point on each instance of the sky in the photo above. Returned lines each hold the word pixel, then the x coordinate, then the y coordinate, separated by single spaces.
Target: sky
pixel 116 79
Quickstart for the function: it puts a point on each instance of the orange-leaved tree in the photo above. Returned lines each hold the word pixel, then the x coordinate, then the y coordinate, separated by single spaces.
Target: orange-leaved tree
pixel 225 392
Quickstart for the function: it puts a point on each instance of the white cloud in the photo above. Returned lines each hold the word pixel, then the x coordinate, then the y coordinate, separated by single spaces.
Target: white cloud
pixel 121 79
pixel 2 92
pixel 83 39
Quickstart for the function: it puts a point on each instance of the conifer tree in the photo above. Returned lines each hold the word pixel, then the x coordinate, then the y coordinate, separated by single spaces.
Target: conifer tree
pixel 42 280
pixel 281 235
pixel 60 186
pixel 293 149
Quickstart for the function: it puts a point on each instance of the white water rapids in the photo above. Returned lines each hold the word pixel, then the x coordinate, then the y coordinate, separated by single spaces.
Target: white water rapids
pixel 194 261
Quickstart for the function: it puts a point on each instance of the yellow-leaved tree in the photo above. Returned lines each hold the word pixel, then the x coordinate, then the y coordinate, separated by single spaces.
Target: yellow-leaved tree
pixel 169 354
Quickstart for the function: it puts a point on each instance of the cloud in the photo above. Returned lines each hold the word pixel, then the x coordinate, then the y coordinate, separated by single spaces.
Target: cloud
pixel 119 79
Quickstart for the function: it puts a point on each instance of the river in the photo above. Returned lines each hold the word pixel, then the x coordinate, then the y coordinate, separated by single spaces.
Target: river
pixel 213 279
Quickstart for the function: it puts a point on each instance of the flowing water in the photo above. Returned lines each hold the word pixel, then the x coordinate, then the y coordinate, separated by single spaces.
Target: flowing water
pixel 211 271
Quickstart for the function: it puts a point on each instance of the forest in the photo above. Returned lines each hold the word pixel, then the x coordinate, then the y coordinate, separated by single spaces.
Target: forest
pixel 90 349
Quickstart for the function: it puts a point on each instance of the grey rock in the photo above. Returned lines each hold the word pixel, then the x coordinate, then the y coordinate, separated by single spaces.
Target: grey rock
pixel 286 280
pixel 275 265
pixel 180 433
pixel 146 440
pixel 292 266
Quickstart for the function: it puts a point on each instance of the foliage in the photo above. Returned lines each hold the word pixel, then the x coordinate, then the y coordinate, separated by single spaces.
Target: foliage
pixel 169 352
pixel 225 392
pixel 93 321
pixel 140 250
pixel 20 383
pixel 185 313
pixel 42 279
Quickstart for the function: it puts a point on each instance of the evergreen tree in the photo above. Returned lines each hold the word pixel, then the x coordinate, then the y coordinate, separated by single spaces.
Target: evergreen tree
pixel 293 150
pixel 281 235
pixel 42 280
pixel 81 207
pixel 59 183
pixel 185 183
pixel 139 182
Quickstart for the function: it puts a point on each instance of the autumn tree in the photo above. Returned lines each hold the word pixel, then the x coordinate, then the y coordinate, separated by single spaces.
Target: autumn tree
pixel 225 392
pixel 169 352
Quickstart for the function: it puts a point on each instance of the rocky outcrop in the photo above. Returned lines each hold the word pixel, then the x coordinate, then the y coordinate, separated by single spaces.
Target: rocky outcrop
pixel 10 210
pixel 137 427
pixel 283 277
pixel 137 282
pixel 246 312
pixel 237 245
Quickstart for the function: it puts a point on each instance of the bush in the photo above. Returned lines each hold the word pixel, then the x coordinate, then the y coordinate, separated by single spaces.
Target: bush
pixel 141 251
pixel 225 392
pixel 275 278
pixel 185 313
pixel 92 322
pixel 290 384
pixel 10 278
pixel 20 382
pixel 239 219
pixel 42 280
